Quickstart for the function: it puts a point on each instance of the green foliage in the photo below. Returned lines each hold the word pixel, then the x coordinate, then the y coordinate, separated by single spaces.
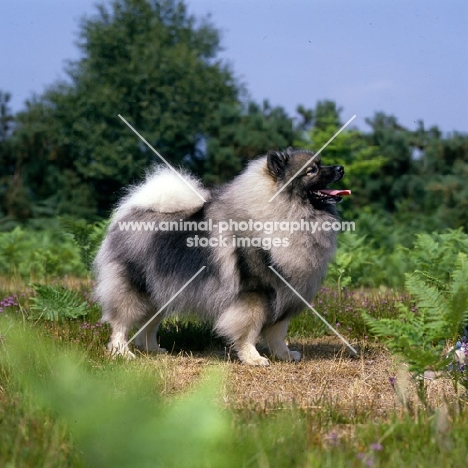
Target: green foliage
pixel 6 117
pixel 392 142
pixel 64 407
pixel 343 309
pixel 238 135
pixel 443 165
pixel 116 417
pixel 437 253
pixel 68 154
pixel 86 236
pixel 421 337
pixel 56 303
pixel 6 154
pixel 151 62
pixel 379 254
pixel 417 175
pixel 347 268
pixel 40 440
pixel 55 251
pixel 36 254
pixel 11 248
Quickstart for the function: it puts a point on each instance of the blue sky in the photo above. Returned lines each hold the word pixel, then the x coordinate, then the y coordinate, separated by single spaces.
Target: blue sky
pixel 405 58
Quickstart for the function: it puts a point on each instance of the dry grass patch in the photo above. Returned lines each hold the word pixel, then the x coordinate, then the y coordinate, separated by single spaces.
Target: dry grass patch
pixel 329 375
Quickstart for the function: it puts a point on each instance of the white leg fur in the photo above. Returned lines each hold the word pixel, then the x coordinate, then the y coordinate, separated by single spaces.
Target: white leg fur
pixel 242 324
pixel 274 337
pixel 248 354
pixel 118 342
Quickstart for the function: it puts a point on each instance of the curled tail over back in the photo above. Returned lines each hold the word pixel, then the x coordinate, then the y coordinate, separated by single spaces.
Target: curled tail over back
pixel 164 191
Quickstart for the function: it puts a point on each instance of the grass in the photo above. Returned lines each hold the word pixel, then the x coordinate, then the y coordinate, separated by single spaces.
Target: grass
pixel 64 403
pixel 344 311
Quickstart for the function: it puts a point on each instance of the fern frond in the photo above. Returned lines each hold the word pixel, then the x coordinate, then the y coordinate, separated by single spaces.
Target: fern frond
pixel 407 336
pixel 432 280
pixel 431 301
pixel 459 293
pixel 442 299
pixel 86 236
pixel 54 303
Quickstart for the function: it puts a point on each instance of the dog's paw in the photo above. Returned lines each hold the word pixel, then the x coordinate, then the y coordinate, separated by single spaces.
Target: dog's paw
pixel 249 355
pixel 125 354
pixel 257 361
pixel 288 355
pixel 295 356
pixel 123 351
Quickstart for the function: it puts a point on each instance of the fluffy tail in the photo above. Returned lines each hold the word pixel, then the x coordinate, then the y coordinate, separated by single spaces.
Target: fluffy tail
pixel 163 191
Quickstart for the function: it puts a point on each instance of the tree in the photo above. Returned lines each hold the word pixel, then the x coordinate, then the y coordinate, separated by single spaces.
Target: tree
pixel 6 116
pixel 444 168
pixel 326 114
pixel 238 134
pixel 153 63
pixel 389 185
pixel 12 194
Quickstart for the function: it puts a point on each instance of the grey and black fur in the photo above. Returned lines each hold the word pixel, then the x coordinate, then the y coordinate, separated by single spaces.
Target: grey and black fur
pixel 138 272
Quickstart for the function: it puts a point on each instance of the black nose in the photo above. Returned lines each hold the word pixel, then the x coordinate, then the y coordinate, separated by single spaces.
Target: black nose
pixel 339 170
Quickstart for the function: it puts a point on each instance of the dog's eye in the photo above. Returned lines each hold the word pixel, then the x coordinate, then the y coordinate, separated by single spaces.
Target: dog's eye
pixel 312 170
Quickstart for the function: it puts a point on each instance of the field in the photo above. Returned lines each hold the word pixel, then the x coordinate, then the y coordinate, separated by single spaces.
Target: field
pixel 152 82
pixel 65 403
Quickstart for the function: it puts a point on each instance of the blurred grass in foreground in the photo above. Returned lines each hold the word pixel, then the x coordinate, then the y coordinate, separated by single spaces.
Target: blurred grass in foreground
pixel 64 404
pixel 115 417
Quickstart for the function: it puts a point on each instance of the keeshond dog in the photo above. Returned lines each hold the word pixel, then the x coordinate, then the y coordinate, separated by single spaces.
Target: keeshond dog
pixel 162 234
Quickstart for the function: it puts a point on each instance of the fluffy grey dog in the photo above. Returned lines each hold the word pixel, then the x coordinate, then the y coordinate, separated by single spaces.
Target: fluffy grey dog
pixel 236 235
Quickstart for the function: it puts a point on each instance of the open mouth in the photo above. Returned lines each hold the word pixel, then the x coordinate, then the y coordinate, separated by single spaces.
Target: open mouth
pixel 329 196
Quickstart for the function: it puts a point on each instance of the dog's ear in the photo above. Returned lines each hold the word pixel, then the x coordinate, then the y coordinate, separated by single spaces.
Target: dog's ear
pixel 276 163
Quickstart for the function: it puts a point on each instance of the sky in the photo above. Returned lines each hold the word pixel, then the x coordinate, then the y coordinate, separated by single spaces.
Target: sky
pixel 407 58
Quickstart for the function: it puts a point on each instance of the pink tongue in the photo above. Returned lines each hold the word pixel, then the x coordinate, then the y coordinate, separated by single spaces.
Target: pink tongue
pixel 335 193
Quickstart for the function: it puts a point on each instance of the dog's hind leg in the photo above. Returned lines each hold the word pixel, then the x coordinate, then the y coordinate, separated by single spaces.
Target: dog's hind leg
pixel 122 307
pixel 274 337
pixel 147 339
pixel 241 324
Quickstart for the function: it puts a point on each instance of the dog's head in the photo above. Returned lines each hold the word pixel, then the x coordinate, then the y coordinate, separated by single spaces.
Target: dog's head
pixel 305 176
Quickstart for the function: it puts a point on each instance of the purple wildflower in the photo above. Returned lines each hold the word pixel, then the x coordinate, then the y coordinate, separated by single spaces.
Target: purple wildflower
pixel 376 446
pixel 333 438
pixel 9 301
